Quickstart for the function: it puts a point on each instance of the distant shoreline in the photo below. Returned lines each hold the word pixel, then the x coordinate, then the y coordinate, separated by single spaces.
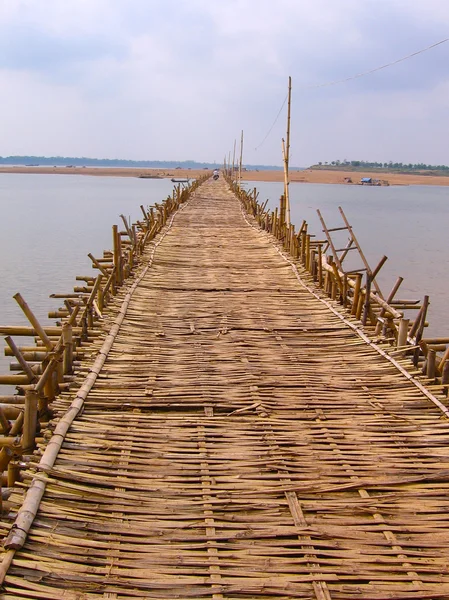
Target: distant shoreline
pixel 307 176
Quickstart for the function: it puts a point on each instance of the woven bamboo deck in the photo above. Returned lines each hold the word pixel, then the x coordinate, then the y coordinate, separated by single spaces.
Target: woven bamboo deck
pixel 240 442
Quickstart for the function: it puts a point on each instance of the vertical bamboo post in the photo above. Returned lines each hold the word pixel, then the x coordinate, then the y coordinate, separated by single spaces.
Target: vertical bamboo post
pixel 240 164
pixel 286 184
pixel 320 265
pixel 445 377
pixel 303 245
pixel 287 152
pixel 29 421
pixel 403 333
pixel 67 340
pixel 13 473
pixel 360 303
pixel 282 209
pixel 431 363
pixel 100 299
pixel 420 330
pixel 6 455
pixel 345 290
pixel 308 252
pixel 233 160
pixel 355 299
pixel 4 423
pixel 117 255
pixel 367 299
pixel 329 277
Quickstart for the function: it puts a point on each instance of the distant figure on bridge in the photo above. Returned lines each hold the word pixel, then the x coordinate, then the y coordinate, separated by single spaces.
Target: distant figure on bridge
pixel 216 174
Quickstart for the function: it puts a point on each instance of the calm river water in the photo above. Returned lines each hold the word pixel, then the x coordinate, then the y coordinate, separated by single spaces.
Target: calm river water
pixel 51 222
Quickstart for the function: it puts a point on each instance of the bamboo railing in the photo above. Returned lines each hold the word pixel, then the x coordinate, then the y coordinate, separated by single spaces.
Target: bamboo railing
pixel 43 370
pixel 385 319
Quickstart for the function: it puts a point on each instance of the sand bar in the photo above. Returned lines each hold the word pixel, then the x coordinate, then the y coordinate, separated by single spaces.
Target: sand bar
pixel 306 176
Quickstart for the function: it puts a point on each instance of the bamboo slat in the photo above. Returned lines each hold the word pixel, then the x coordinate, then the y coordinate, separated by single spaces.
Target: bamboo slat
pixel 240 437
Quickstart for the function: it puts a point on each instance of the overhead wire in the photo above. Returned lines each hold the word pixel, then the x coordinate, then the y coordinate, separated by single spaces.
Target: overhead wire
pixel 274 123
pixel 390 64
pixel 351 78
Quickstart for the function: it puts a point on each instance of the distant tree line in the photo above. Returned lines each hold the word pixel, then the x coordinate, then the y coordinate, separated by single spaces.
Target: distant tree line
pixel 364 164
pixel 77 161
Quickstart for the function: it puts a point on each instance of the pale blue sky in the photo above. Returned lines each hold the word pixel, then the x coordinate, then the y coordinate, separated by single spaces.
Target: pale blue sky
pixel 179 79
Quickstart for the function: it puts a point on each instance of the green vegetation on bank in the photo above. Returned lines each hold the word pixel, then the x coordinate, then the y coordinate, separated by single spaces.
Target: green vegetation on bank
pixel 76 161
pixel 360 165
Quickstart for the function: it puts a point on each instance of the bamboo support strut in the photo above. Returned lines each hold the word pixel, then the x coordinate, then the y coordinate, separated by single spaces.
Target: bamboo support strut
pixel 33 320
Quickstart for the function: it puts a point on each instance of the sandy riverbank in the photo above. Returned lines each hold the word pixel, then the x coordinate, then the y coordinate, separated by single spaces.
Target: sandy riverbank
pixel 109 172
pixel 307 176
pixel 323 176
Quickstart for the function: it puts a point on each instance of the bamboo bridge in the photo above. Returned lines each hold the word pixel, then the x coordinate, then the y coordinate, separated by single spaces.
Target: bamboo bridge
pixel 214 424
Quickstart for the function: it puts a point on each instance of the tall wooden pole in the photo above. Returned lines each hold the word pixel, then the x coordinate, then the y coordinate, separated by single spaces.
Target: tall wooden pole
pixel 233 160
pixel 287 150
pixel 229 162
pixel 286 154
pixel 286 190
pixel 240 165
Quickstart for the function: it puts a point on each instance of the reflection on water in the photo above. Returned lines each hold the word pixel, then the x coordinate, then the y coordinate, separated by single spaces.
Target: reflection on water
pixel 49 225
pixel 409 224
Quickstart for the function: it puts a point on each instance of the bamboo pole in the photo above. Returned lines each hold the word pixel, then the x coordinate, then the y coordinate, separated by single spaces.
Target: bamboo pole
pixel 117 255
pixel 14 469
pixel 240 163
pixel 67 340
pixel 287 150
pixel 431 363
pixel 365 262
pixel 98 265
pixel 31 332
pixel 30 421
pixel 402 333
pixel 23 363
pixel 389 300
pixel 33 320
pixel 18 424
pixel 6 455
pixel 286 183
pixel 286 154
pixel 4 423
pixel 320 265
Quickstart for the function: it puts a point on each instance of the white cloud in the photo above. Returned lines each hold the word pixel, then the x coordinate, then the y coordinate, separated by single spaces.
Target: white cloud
pixel 180 78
